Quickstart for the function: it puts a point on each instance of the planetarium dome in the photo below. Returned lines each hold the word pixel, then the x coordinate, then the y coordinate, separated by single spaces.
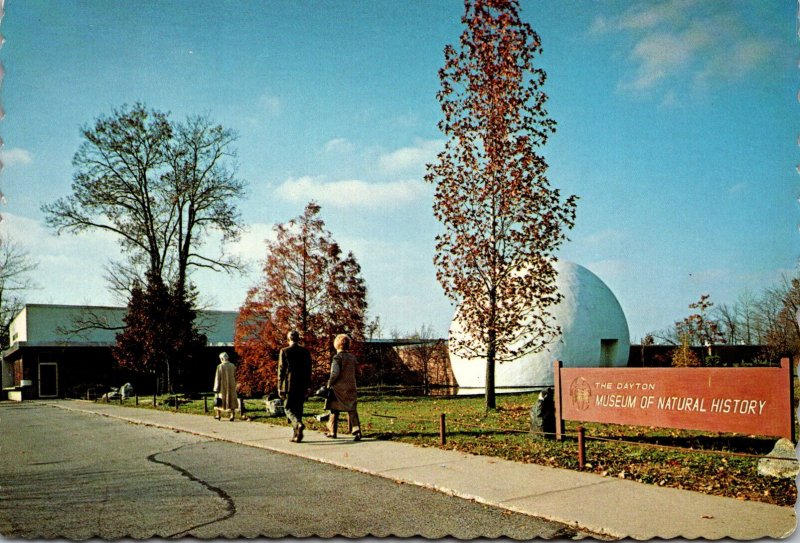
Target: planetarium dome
pixel 594 333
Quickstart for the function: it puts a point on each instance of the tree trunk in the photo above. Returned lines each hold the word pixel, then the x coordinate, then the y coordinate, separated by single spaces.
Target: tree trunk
pixel 490 361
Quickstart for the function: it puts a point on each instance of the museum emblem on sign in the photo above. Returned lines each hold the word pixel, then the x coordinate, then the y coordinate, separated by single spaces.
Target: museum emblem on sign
pixel 580 391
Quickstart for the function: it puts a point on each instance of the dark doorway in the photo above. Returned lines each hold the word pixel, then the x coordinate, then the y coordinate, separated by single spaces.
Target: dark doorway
pixel 48 380
pixel 608 352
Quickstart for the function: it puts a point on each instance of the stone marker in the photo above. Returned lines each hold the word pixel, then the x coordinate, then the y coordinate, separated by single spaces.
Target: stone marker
pixel 543 415
pixel 781 462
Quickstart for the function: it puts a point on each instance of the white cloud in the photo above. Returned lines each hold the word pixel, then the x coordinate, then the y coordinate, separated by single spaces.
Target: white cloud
pixel 35 236
pixel 643 17
pixel 16 157
pixel 339 145
pixel 350 193
pixel 679 42
pixel 736 61
pixel 410 159
pixel 660 56
pixel 71 268
pixel 252 244
pixel 647 16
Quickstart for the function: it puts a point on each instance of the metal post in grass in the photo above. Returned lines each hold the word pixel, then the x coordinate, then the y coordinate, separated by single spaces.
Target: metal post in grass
pixel 581 448
pixel 205 403
pixel 154 400
pixel 176 402
pixel 442 429
pixel 137 399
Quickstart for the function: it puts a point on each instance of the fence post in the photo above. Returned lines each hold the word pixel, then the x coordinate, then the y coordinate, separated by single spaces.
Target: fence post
pixel 205 403
pixel 154 400
pixel 581 448
pixel 442 429
pixel 790 366
pixel 176 402
pixel 137 399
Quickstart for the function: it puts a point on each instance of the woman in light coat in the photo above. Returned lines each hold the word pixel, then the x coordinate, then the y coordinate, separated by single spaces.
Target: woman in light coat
pixel 342 384
pixel 225 387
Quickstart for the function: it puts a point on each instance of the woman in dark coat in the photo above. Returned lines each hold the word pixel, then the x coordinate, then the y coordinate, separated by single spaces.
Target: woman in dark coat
pixel 342 383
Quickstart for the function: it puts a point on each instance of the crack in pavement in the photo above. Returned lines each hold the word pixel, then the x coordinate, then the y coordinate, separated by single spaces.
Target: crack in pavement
pixel 230 506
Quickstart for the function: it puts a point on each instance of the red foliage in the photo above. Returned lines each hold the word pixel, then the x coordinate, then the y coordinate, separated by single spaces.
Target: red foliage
pixel 308 286
pixel 503 221
pixel 698 328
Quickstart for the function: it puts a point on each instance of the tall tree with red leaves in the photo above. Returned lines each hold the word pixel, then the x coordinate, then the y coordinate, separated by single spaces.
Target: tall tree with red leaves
pixel 503 221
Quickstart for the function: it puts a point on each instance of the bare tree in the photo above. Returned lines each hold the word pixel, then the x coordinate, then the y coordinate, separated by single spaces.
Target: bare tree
pixel 726 316
pixel 746 315
pixel 118 185
pixel 16 266
pixel 161 187
pixel 204 188
pixel 503 222
pixel 425 356
pixel 777 315
pixel 665 336
pixel 740 322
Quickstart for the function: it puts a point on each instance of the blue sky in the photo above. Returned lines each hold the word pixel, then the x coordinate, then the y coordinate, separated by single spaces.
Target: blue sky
pixel 677 127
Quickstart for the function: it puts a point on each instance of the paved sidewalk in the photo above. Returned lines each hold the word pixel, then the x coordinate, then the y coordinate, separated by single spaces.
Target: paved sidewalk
pixel 603 505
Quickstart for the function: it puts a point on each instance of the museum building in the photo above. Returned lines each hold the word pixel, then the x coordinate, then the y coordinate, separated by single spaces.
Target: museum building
pixel 60 350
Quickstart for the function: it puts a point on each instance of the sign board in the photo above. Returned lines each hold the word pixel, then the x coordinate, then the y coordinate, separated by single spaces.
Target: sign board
pixel 744 400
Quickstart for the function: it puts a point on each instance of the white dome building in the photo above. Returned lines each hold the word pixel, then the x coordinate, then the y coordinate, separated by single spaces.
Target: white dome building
pixel 594 333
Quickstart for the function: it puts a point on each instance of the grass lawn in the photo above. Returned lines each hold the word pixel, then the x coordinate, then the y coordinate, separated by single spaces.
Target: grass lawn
pixel 718 463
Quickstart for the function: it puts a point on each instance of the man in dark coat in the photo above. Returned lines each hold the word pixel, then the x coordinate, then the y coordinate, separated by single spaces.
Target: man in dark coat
pixel 294 380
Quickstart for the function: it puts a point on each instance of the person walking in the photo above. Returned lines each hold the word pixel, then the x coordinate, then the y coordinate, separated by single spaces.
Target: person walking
pixel 225 387
pixel 342 385
pixel 294 379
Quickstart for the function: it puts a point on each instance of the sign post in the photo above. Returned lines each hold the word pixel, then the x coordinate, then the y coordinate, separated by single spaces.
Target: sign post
pixel 560 426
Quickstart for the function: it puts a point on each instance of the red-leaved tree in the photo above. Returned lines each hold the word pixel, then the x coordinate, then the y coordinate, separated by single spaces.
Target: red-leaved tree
pixel 698 328
pixel 308 285
pixel 503 221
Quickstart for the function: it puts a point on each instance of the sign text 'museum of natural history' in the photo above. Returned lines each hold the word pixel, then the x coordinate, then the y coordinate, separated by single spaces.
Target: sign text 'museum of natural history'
pixel 743 400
